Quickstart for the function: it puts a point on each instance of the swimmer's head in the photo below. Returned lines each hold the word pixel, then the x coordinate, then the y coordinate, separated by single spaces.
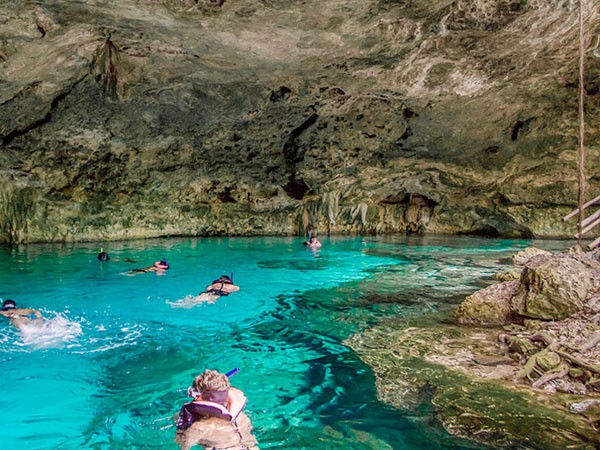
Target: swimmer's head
pixel 213 386
pixel 103 256
pixel 162 264
pixel 8 304
pixel 225 279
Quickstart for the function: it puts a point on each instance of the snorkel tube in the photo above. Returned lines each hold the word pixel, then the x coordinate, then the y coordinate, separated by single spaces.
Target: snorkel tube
pixel 232 372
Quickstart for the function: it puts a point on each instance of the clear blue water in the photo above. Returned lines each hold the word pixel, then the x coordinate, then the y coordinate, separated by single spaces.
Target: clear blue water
pixel 110 367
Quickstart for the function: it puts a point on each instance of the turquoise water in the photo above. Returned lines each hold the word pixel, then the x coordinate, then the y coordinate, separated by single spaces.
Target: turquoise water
pixel 110 367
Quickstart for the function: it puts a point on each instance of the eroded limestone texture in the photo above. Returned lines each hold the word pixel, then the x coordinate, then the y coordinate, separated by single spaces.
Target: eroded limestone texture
pixel 144 118
pixel 472 387
pixel 523 372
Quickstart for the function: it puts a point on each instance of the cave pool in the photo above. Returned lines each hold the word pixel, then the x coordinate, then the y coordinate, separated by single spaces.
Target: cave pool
pixel 110 367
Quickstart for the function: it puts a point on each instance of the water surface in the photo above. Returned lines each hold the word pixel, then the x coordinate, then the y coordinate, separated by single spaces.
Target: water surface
pixel 110 367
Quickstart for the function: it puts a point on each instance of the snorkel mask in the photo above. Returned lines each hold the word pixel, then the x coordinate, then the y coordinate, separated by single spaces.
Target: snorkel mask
pixel 8 304
pixel 209 395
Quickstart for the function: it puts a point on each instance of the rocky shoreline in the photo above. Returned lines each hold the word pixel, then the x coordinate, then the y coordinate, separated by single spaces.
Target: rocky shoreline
pixel 518 365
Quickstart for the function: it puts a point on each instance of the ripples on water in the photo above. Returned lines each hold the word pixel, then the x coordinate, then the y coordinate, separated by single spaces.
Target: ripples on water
pixel 110 367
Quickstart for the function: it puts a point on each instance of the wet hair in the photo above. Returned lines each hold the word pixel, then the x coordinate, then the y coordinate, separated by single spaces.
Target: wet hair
pixel 103 256
pixel 8 304
pixel 211 380
pixel 223 279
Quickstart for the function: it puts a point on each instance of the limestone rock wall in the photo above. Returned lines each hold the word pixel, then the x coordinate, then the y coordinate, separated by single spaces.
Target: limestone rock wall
pixel 150 118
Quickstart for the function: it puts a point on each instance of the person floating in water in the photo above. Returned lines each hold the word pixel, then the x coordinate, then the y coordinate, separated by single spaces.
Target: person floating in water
pixel 103 256
pixel 215 418
pixel 312 242
pixel 220 287
pixel 160 267
pixel 20 317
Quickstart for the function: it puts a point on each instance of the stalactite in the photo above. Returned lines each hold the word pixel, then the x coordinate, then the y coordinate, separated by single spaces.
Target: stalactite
pixel 107 69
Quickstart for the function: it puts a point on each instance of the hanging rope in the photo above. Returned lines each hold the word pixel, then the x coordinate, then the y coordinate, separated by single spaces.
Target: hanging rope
pixel 581 150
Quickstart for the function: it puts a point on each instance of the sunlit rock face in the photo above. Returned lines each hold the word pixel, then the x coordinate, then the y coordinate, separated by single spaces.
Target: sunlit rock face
pixel 264 117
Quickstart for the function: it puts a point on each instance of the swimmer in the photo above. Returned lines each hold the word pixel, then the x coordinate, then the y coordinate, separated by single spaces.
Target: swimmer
pixel 313 242
pixel 159 267
pixel 220 287
pixel 215 418
pixel 20 316
pixel 103 256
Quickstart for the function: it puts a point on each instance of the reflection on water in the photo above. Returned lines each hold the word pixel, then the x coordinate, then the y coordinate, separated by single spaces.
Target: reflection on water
pixel 112 364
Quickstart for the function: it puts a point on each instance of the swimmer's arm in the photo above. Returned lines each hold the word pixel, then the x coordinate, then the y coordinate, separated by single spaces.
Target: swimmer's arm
pixel 31 312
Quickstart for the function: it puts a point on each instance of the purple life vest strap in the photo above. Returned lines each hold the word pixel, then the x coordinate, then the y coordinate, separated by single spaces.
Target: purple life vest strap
pixel 190 412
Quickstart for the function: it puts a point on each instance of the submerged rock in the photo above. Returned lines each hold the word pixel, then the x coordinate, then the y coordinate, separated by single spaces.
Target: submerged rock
pixel 530 378
pixel 473 398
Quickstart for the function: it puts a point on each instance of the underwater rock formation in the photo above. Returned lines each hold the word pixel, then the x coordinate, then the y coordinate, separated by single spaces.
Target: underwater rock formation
pixel 522 369
pixel 472 387
pixel 181 117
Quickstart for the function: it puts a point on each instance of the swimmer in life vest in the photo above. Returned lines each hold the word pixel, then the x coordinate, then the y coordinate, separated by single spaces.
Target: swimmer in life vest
pixel 214 419
pixel 20 316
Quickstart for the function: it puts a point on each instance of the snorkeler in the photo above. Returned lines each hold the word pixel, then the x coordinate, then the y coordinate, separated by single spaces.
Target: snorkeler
pixel 312 242
pixel 159 267
pixel 103 256
pixel 220 287
pixel 215 418
pixel 20 316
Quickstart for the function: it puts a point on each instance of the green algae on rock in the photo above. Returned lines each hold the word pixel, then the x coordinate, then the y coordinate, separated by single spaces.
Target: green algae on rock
pixel 471 389
pixel 523 367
